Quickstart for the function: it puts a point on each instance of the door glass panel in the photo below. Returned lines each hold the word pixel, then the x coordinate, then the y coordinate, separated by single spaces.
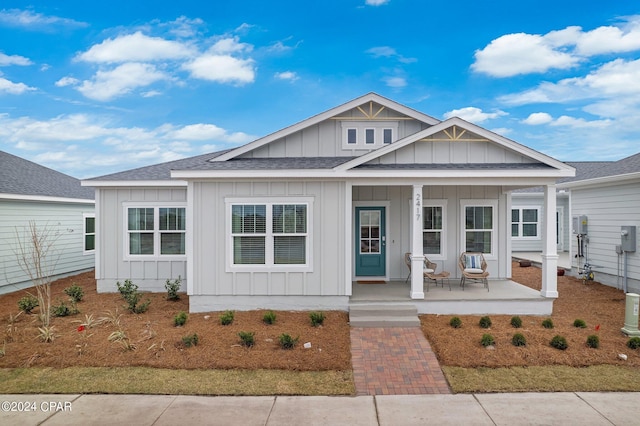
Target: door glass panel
pixel 369 232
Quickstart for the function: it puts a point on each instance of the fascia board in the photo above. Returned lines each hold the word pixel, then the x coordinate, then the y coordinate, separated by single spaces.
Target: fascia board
pixel 601 181
pixel 325 116
pixel 132 183
pixel 43 198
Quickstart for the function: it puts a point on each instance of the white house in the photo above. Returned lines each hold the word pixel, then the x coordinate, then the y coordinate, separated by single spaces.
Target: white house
pixel 293 219
pixel 55 203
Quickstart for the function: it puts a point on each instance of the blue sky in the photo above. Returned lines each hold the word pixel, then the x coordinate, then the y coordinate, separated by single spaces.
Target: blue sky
pixel 90 88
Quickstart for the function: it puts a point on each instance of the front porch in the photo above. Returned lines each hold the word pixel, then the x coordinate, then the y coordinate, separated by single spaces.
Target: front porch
pixel 505 297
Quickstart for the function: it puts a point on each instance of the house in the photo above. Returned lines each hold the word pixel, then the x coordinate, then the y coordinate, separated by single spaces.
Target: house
pixel 604 196
pixel 55 203
pixel 295 219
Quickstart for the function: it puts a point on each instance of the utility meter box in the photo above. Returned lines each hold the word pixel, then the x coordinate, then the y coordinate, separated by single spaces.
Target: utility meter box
pixel 628 238
pixel 580 225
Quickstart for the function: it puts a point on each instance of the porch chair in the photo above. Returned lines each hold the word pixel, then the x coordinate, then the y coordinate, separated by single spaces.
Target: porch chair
pixel 473 266
pixel 428 271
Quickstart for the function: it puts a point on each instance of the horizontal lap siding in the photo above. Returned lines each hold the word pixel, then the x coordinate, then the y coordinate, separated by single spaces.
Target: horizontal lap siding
pixel 607 210
pixel 210 241
pixel 63 222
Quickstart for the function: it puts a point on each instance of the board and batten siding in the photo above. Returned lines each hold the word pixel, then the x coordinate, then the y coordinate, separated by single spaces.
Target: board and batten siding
pixel 64 222
pixel 211 258
pixel 607 210
pixel 112 264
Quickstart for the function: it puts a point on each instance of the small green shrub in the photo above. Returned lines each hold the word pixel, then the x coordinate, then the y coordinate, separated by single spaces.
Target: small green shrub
pixel 634 343
pixel 180 319
pixel 559 342
pixel 547 323
pixel 269 317
pixel 518 339
pixel 246 338
pixel 516 322
pixel 286 341
pixel 172 289
pixel 455 322
pixel 226 318
pixel 579 324
pixel 487 340
pixel 131 295
pixel 190 340
pixel 317 318
pixel 485 322
pixel 75 292
pixel 61 310
pixel 593 341
pixel 27 304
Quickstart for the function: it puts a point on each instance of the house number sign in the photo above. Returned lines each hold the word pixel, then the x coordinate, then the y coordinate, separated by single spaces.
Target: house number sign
pixel 417 206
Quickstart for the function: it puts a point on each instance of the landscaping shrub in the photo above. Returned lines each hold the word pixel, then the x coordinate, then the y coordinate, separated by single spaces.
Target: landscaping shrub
pixel 180 319
pixel 593 341
pixel 547 323
pixel 246 338
pixel 487 340
pixel 286 341
pixel 317 318
pixel 190 340
pixel 579 324
pixel 28 303
pixel 172 289
pixel 131 295
pixel 455 322
pixel 269 317
pixel 61 310
pixel 75 292
pixel 559 342
pixel 518 339
pixel 226 318
pixel 634 343
pixel 516 322
pixel 485 322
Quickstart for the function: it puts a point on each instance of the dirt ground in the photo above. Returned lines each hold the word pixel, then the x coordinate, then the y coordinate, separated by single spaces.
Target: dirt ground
pixel 158 343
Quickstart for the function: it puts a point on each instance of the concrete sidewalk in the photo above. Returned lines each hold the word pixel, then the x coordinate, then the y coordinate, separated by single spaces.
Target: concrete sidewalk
pixel 564 408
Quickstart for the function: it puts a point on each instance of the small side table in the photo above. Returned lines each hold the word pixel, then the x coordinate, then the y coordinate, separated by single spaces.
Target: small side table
pixel 441 276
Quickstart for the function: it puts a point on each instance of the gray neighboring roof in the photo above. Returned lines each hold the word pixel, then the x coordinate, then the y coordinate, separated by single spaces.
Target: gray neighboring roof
pixel 274 163
pixel 584 170
pixel 625 166
pixel 22 177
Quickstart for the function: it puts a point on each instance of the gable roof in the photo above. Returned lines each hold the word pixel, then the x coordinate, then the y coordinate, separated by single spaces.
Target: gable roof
pixel 24 178
pixel 604 172
pixel 369 97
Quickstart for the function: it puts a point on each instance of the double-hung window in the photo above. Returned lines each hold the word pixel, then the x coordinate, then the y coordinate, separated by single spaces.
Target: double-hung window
pixel 271 234
pixel 479 224
pixel 89 231
pixel 156 231
pixel 525 222
pixel 433 227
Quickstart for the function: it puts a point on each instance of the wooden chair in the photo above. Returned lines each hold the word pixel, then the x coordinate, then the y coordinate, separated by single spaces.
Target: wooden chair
pixel 473 266
pixel 428 271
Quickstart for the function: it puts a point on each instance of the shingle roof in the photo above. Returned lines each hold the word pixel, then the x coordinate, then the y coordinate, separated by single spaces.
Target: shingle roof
pixel 273 163
pixel 456 166
pixel 22 177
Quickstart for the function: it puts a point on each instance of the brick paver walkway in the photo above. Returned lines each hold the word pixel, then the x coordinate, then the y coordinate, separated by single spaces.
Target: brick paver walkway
pixel 394 361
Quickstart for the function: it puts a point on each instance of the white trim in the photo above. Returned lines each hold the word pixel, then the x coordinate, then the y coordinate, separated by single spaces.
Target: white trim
pixel 84 233
pixel 493 203
pixel 155 205
pixel 269 265
pixel 189 244
pixel 560 227
pixel 387 231
pixel 22 197
pixel 361 128
pixel 444 231
pixel 134 183
pixel 349 214
pixel 521 222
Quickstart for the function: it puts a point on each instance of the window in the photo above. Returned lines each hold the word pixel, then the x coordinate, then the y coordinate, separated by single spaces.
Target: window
pixel 269 234
pixel 156 231
pixel 524 222
pixel 89 232
pixel 432 229
pixel 352 136
pixel 387 135
pixel 478 224
pixel 369 136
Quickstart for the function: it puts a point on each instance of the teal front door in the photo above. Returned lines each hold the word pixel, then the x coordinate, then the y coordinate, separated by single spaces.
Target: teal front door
pixel 370 242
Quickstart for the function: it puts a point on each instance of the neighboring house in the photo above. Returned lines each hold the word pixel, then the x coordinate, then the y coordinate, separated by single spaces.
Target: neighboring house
pixel 55 203
pixel 292 219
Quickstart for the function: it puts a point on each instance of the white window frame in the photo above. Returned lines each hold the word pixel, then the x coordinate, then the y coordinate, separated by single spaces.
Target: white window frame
pixel 521 222
pixel 86 216
pixel 494 220
pixel 361 128
pixel 366 138
pixel 156 206
pixel 443 232
pixel 346 136
pixel 269 265
pixel 390 129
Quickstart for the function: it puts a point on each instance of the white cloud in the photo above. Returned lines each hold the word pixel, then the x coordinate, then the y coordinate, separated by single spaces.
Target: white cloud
pixel 581 123
pixel 67 81
pixel 222 69
pixel 12 88
pixel 286 75
pixel 135 47
pixel 107 85
pixel 389 52
pixel 31 20
pixel 208 132
pixel 6 60
pixel 611 39
pixel 229 45
pixel 376 2
pixel 538 118
pixel 474 115
pixel 395 81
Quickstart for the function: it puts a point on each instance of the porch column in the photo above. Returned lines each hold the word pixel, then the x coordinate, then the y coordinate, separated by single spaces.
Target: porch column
pixel 549 249
pixel 417 256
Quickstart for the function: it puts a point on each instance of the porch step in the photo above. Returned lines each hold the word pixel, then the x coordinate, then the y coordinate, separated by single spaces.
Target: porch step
pixel 367 315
